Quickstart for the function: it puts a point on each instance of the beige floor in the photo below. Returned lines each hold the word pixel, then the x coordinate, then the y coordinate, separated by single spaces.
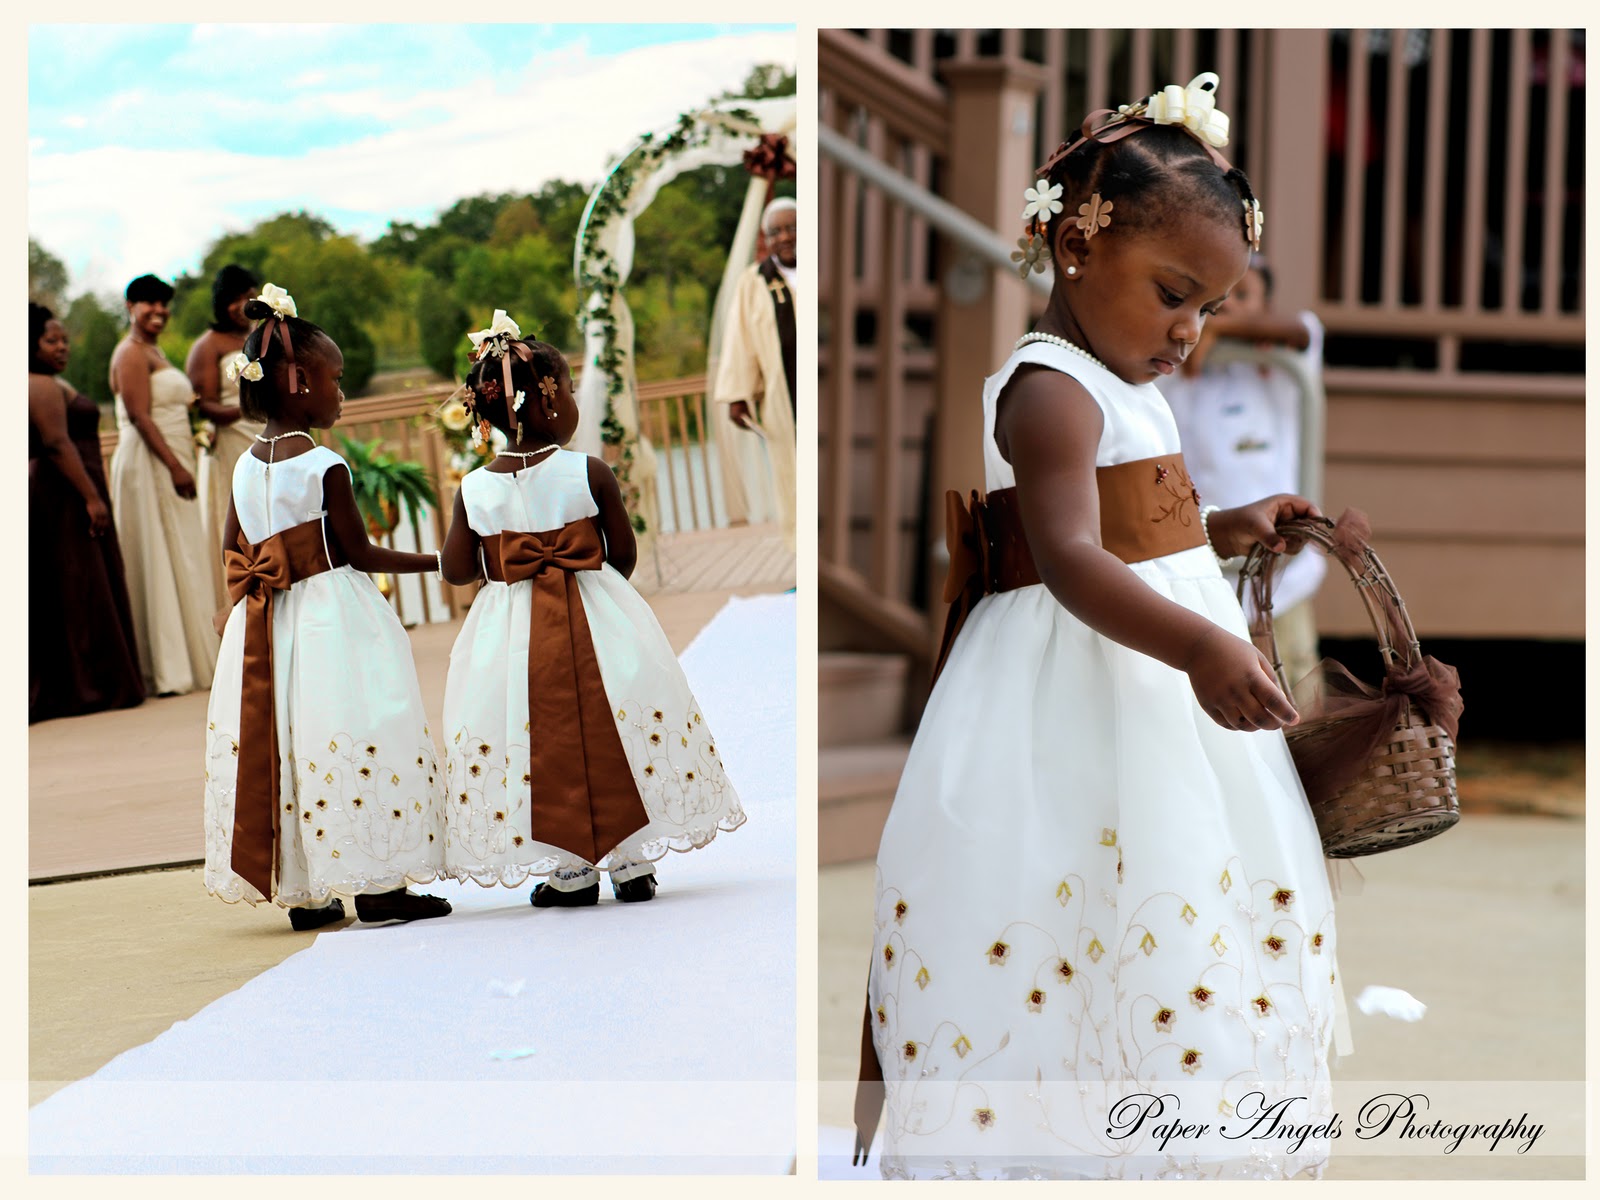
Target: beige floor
pixel 1484 924
pixel 115 960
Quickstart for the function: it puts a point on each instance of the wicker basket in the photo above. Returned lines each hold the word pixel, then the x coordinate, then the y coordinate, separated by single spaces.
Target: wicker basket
pixel 1406 791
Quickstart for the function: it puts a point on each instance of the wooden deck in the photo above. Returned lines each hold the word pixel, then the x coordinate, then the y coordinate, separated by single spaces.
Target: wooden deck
pixel 121 791
pixel 710 560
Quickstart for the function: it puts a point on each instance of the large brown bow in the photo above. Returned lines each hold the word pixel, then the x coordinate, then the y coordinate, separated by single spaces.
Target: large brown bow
pixel 255 573
pixel 588 801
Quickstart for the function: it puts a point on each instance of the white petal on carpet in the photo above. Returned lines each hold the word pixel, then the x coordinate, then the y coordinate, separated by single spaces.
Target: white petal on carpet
pixel 655 1037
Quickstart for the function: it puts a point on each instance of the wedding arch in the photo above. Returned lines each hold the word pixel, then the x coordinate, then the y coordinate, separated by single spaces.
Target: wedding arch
pixel 608 420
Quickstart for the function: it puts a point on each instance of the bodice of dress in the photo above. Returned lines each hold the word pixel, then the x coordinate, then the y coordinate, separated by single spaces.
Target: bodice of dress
pixel 543 496
pixel 170 397
pixel 268 501
pixel 1138 423
pixel 83 428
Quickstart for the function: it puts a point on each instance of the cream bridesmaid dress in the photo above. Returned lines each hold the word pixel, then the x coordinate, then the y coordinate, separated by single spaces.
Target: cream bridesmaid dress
pixel 164 547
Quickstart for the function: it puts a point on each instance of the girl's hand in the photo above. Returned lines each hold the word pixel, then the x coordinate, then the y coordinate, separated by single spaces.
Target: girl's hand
pixel 1235 530
pixel 1233 682
pixel 99 516
pixel 182 481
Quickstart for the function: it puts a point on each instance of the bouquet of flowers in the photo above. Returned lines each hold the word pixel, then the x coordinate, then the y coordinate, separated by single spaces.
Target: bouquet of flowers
pixel 202 429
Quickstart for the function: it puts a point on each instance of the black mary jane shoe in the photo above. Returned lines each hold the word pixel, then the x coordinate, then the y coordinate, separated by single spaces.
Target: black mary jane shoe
pixel 399 905
pixel 635 890
pixel 545 896
pixel 303 920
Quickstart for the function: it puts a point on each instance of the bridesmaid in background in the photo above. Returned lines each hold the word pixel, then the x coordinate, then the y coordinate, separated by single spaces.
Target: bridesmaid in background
pixel 81 656
pixel 217 397
pixel 153 499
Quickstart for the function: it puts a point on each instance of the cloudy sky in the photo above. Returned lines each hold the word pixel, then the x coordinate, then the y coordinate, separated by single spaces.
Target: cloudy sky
pixel 146 142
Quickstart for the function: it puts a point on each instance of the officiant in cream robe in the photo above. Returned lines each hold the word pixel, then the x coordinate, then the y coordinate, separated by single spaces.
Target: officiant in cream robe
pixel 756 372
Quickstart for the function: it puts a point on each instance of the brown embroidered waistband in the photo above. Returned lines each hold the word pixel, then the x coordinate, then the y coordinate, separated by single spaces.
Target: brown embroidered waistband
pixel 1149 508
pixel 255 573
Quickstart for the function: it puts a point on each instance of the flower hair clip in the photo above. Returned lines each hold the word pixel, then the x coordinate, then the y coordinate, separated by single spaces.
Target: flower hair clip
pixel 1254 219
pixel 241 365
pixel 1193 108
pixel 502 340
pixel 494 340
pixel 1033 249
pixel 278 300
pixel 548 386
pixel 1093 216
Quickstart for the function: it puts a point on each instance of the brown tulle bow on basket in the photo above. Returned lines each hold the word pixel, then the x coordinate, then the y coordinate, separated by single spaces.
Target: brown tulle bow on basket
pixel 1378 766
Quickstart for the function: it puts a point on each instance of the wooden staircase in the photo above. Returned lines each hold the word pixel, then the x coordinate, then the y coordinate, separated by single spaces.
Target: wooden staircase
pixel 861 698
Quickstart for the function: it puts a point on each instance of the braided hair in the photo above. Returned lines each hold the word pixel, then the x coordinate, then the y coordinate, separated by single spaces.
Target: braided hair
pixel 486 378
pixel 1154 177
pixel 259 398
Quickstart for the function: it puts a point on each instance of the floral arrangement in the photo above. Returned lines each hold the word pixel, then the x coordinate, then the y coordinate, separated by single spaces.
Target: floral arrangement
pixel 203 430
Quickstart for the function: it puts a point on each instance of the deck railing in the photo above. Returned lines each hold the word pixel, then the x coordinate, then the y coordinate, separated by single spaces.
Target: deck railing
pixel 671 413
pixel 1429 189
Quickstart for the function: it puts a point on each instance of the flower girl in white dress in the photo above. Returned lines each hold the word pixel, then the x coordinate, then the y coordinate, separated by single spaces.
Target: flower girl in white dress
pixel 572 740
pixel 1100 879
pixel 321 776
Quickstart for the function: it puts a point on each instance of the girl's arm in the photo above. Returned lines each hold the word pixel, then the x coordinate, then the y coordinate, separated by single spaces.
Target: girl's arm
pixel 460 553
pixel 130 377
pixel 204 369
pixel 622 549
pixel 350 532
pixel 1048 427
pixel 49 417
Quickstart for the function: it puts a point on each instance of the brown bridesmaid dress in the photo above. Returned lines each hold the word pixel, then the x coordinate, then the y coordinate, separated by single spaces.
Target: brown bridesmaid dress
pixel 81 655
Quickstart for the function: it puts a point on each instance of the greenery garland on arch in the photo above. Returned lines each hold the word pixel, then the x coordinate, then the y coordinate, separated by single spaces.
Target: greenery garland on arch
pixel 718 135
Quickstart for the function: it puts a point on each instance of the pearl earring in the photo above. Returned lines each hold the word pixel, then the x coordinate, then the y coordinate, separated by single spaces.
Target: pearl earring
pixel 1072 270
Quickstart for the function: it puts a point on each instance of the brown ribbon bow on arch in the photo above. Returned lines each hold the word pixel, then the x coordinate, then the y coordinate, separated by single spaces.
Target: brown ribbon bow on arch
pixel 770 159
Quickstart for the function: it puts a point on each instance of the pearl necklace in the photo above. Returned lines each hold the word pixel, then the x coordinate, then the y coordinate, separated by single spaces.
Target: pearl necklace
pixel 530 454
pixel 278 437
pixel 1053 340
pixel 271 443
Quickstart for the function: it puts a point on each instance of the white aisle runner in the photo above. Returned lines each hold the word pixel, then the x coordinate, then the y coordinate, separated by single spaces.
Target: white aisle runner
pixel 653 1037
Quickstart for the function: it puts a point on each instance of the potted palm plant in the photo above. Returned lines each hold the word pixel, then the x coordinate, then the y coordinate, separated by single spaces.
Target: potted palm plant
pixel 383 483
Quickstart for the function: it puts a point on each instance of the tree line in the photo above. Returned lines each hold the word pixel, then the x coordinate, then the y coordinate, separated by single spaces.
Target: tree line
pixel 406 299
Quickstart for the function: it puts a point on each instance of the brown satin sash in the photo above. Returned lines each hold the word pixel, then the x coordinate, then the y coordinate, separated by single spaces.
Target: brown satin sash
pixel 254 573
pixel 587 806
pixel 1149 508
